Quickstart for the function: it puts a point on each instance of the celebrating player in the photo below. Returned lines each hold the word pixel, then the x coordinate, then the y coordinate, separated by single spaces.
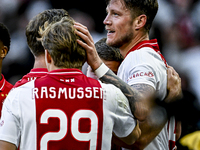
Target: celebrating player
pixel 65 109
pixel 144 69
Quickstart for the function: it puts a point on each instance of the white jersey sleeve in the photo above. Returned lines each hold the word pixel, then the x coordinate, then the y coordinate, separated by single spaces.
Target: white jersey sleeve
pixel 144 66
pixel 117 107
pixel 10 123
pixel 15 126
pixel 125 122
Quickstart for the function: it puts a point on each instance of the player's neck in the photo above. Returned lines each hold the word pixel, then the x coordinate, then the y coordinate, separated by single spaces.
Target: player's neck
pixel 39 62
pixel 137 39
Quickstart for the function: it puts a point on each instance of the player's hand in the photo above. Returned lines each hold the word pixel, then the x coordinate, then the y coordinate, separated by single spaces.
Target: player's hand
pixel 175 148
pixel 93 58
pixel 173 85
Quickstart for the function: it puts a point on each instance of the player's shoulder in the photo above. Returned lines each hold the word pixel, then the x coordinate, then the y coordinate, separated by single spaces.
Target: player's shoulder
pixel 24 86
pixel 20 91
pixel 142 52
pixel 8 85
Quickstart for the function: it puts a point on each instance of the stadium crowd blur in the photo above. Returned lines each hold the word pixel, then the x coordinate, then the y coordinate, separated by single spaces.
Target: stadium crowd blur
pixel 176 26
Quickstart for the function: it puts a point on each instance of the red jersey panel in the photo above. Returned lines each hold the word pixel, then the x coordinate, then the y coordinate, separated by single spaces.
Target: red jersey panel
pixel 76 118
pixel 33 74
pixel 151 44
pixel 5 87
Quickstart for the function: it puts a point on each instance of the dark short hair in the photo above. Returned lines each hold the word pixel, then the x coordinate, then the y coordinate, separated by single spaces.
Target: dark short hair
pixel 51 15
pixel 107 52
pixel 5 35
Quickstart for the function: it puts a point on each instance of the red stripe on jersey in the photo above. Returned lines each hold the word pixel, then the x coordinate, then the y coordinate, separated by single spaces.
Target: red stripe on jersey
pixel 33 74
pixel 69 111
pixel 5 88
pixel 172 124
pixel 151 44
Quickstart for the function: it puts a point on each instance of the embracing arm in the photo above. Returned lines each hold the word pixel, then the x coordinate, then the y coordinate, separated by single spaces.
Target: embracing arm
pixel 151 116
pixel 132 94
pixel 155 117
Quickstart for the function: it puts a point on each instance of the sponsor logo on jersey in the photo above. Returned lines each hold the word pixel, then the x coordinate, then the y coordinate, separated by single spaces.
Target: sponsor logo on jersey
pixel 1 123
pixel 141 74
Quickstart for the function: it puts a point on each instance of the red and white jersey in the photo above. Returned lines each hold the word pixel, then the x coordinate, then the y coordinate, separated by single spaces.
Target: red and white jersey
pixel 5 88
pixel 32 75
pixel 65 110
pixel 145 64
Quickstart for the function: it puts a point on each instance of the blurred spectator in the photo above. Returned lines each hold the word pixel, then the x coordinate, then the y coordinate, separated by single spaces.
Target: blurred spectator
pixel 88 21
pixel 177 26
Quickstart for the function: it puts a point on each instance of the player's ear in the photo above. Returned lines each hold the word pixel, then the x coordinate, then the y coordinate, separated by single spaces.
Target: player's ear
pixel 140 21
pixel 4 51
pixel 47 56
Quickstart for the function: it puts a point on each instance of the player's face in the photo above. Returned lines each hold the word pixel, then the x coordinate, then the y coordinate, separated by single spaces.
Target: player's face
pixel 113 65
pixel 119 24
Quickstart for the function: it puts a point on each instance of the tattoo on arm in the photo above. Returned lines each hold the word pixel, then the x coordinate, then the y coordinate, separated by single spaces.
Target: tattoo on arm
pixel 145 89
pixel 135 93
pixel 110 77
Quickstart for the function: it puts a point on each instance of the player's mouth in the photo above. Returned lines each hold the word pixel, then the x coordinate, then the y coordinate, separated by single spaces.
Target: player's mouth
pixel 110 32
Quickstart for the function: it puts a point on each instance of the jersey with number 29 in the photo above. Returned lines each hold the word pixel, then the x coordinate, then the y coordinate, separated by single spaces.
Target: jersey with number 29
pixel 65 110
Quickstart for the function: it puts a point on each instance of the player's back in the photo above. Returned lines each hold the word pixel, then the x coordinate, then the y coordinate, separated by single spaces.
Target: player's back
pixel 67 110
pixel 33 74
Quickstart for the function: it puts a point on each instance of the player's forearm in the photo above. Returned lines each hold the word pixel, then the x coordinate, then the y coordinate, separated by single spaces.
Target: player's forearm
pixel 155 116
pixel 150 128
pixel 132 95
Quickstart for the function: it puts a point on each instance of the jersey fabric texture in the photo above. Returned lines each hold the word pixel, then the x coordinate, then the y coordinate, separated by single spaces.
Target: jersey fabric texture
pixel 145 64
pixel 65 110
pixel 5 87
pixel 33 74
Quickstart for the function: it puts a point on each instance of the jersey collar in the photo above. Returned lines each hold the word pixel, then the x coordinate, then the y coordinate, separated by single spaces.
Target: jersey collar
pixel 151 44
pixel 147 43
pixel 2 83
pixel 65 71
pixel 39 70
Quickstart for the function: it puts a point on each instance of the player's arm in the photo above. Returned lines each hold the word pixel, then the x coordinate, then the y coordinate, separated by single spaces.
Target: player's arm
pixel 173 86
pixel 131 138
pixel 7 146
pixel 155 117
pixel 153 122
pixel 133 95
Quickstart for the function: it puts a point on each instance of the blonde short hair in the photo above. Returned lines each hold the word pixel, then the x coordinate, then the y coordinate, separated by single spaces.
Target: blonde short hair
pixel 60 39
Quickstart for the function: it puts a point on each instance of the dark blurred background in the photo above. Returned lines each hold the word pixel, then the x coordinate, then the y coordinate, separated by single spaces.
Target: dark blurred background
pixel 176 26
